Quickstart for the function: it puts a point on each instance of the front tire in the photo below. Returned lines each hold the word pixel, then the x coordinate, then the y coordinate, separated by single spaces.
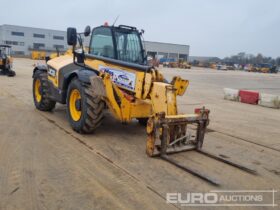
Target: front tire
pixel 41 92
pixel 84 109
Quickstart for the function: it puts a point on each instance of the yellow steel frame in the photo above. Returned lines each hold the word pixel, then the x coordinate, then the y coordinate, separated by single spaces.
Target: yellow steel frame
pixel 150 96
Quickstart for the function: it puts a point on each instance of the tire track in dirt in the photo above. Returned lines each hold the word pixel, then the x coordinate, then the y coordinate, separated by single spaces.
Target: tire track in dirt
pixel 38 183
pixel 246 140
pixel 101 155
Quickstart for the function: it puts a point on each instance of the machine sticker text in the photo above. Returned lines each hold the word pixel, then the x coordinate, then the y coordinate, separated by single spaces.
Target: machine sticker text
pixel 120 77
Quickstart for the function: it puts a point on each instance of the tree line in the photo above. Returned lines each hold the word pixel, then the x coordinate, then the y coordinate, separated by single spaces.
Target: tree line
pixel 242 58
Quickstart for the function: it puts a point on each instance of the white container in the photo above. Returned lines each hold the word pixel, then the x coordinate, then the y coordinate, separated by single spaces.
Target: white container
pixel 269 100
pixel 231 94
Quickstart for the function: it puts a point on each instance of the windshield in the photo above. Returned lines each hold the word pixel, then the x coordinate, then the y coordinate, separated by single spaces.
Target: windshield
pixel 102 43
pixel 129 47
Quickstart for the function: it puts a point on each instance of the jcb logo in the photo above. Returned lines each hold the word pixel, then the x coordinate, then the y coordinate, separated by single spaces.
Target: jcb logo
pixel 52 72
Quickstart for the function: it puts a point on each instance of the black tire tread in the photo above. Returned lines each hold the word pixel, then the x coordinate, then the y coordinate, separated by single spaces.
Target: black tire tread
pixel 92 115
pixel 46 104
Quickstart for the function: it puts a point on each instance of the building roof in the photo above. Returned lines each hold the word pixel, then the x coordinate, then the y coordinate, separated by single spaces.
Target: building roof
pixel 166 47
pixel 28 27
pixel 167 43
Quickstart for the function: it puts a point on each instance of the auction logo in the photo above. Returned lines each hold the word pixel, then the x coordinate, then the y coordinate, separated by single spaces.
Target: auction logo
pixel 224 198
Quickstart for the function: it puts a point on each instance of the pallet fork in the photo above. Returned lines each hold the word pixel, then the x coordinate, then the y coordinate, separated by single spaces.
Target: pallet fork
pixel 171 134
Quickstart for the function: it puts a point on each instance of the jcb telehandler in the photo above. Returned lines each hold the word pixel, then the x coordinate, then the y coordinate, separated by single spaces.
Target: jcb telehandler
pixel 113 75
pixel 6 61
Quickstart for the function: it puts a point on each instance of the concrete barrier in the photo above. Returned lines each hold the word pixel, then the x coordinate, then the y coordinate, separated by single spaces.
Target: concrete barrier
pixel 268 100
pixel 231 94
pixel 252 97
pixel 248 96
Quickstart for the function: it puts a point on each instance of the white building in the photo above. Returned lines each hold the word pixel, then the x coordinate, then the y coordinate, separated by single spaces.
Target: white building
pixel 167 50
pixel 25 39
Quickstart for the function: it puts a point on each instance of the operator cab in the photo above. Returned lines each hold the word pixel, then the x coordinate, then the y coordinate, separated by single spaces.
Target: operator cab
pixel 5 50
pixel 121 43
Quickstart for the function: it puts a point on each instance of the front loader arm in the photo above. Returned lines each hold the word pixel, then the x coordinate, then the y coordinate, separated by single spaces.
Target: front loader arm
pixel 184 132
pixel 163 95
pixel 163 98
pixel 122 105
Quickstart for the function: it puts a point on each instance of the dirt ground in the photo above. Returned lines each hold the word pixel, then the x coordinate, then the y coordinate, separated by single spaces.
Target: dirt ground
pixel 44 164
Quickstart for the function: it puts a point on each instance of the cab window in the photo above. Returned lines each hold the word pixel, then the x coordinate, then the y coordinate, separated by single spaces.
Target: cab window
pixel 102 43
pixel 129 46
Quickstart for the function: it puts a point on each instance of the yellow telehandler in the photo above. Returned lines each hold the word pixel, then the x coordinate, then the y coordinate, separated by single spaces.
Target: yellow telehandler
pixel 113 75
pixel 6 61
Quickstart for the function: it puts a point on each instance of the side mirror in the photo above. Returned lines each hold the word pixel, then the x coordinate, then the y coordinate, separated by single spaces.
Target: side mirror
pixel 71 36
pixel 87 31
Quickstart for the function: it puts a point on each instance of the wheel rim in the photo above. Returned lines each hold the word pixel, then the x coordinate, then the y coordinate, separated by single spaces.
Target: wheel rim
pixel 37 88
pixel 75 97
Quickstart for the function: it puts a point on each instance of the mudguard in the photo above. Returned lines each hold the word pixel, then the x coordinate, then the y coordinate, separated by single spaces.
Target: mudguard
pixel 82 74
pixel 59 93
pixel 41 67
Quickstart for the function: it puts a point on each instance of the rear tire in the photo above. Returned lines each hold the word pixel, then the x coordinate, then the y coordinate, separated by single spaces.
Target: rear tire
pixel 11 73
pixel 41 92
pixel 88 114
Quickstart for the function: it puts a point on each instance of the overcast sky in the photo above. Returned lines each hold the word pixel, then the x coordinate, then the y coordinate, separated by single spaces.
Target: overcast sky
pixel 211 27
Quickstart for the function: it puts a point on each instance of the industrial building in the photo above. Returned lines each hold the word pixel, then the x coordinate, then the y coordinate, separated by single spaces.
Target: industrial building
pixel 167 50
pixel 24 40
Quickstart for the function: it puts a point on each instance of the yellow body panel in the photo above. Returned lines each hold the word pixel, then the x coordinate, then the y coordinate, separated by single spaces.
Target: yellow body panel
pixel 139 84
pixel 61 61
pixel 58 63
pixel 163 98
pixel 147 85
pixel 180 85
pixel 158 100
pixel 111 102
pixel 54 80
pixel 150 95
pixel 141 108
pixel 9 60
